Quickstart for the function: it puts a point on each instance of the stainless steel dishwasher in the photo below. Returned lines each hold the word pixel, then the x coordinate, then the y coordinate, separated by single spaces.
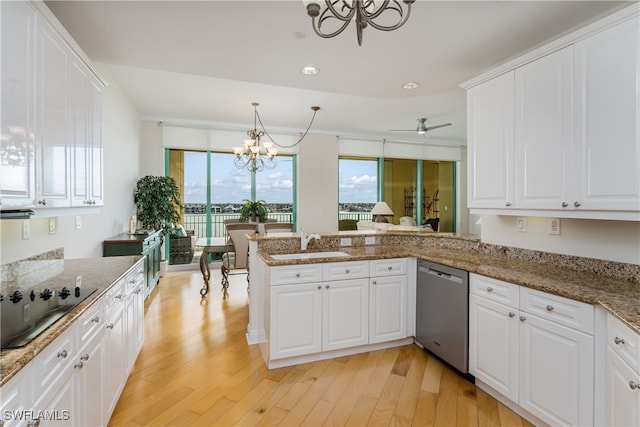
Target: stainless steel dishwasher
pixel 442 313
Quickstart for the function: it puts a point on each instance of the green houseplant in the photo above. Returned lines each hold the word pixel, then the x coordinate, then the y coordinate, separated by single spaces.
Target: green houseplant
pixel 158 203
pixel 253 211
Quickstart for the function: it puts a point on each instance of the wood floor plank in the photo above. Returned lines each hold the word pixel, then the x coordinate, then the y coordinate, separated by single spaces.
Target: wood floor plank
pixel 196 369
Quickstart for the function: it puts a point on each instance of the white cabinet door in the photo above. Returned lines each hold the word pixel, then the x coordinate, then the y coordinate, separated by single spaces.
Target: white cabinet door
pixel 556 372
pixel 494 345
pixel 90 380
pixel 58 402
pixel 345 314
pixel 622 407
pixel 16 399
pixel 296 320
pixel 607 126
pixel 490 145
pixel 114 342
pixel 387 308
pixel 17 180
pixel 52 121
pixel 544 132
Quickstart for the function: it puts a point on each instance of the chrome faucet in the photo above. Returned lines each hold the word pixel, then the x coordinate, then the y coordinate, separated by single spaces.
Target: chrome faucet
pixel 304 239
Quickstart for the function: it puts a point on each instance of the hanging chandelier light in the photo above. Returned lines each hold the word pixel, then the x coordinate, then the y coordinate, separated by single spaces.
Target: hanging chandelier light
pixel 365 12
pixel 256 155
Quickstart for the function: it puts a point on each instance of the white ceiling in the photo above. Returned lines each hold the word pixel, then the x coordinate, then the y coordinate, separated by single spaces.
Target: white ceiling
pixel 209 60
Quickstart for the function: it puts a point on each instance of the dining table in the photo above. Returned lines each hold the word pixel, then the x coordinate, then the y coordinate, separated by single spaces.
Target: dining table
pixel 210 245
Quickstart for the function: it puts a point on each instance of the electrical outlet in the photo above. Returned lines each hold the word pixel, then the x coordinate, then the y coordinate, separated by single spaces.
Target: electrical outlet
pixel 52 226
pixel 370 240
pixel 554 226
pixel 345 241
pixel 521 225
pixel 78 222
pixel 26 229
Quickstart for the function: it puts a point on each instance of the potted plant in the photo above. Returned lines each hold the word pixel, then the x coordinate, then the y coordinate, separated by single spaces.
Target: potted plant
pixel 255 211
pixel 159 206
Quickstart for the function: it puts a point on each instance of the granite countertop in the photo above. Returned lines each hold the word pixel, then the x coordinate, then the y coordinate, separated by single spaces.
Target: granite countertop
pixel 619 296
pixel 100 273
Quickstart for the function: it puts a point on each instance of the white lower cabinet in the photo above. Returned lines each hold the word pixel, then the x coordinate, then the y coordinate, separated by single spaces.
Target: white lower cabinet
pixel 296 320
pixel 534 360
pixel 316 308
pixel 388 308
pixel 77 379
pixel 622 388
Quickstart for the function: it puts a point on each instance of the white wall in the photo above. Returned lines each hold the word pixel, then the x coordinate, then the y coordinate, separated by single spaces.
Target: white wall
pixel 609 240
pixel 121 136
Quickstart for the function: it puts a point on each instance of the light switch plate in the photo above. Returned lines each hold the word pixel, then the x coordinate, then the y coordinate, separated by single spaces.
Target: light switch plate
pixel 78 222
pixel 345 241
pixel 26 229
pixel 52 226
pixel 370 240
pixel 521 224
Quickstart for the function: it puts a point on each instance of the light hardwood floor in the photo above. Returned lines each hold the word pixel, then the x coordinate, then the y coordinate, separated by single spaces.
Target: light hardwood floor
pixel 196 369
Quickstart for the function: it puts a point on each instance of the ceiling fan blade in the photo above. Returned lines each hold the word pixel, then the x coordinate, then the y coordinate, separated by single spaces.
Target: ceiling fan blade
pixel 402 130
pixel 436 127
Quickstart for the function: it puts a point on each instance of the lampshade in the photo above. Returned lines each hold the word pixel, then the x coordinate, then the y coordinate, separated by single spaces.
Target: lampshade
pixel 381 208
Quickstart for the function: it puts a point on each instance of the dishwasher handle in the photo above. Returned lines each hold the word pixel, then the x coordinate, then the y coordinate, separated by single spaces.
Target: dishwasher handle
pixel 440 274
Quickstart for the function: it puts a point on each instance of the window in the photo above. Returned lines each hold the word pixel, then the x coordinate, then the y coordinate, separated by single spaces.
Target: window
pixel 358 187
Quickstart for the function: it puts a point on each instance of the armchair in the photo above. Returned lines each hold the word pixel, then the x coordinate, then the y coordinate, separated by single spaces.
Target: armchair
pixel 237 258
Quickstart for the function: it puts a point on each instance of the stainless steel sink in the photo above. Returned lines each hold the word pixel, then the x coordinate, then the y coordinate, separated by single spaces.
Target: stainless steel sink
pixel 309 255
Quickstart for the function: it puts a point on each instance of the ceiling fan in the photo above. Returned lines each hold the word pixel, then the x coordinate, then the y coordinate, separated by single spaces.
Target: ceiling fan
pixel 422 127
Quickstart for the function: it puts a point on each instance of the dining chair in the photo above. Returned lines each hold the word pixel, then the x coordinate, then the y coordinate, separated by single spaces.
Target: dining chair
pixel 236 259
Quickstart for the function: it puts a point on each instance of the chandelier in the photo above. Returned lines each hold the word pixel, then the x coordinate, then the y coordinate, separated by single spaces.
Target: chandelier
pixel 256 155
pixel 365 12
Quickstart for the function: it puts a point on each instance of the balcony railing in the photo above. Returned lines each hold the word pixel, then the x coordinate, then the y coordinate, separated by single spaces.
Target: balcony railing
pixel 198 222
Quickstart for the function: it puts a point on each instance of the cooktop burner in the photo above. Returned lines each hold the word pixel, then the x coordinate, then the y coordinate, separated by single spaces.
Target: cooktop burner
pixel 24 316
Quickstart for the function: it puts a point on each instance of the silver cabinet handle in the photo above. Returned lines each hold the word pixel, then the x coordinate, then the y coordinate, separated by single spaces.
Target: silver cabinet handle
pixel 549 308
pixel 110 326
pixel 118 296
pixel 489 289
pixel 634 386
pixel 522 318
pixel 79 365
pixel 389 268
pixel 326 286
pixel 618 341
pixel 297 275
pixel 95 319
pixel 137 291
pixel 507 204
pixel 319 287
pixel 565 204
pixel 62 354
pixel 511 314
pixel 347 271
pixel 85 357
pixel 577 204
pixel 375 282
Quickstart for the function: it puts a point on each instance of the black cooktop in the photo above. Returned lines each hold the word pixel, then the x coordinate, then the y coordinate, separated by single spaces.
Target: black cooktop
pixel 26 315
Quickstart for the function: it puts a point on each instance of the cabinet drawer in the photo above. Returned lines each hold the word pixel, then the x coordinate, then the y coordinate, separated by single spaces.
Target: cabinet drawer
pixel 345 270
pixel 623 341
pixel 564 311
pixel 388 267
pixel 114 297
pixel 292 274
pixel 494 290
pixel 89 322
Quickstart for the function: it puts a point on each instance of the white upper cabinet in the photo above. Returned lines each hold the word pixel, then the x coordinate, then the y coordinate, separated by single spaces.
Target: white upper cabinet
pixel 51 114
pixel 490 116
pixel 556 132
pixel 543 132
pixel 51 117
pixel 607 124
pixel 17 180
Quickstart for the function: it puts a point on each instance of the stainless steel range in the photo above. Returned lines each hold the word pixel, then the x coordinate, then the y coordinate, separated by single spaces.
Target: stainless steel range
pixel 26 315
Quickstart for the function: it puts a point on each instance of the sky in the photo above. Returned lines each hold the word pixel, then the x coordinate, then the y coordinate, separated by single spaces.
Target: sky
pixel 357 180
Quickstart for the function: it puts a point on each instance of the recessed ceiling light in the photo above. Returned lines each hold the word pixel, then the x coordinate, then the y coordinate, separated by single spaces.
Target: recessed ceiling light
pixel 310 70
pixel 410 85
